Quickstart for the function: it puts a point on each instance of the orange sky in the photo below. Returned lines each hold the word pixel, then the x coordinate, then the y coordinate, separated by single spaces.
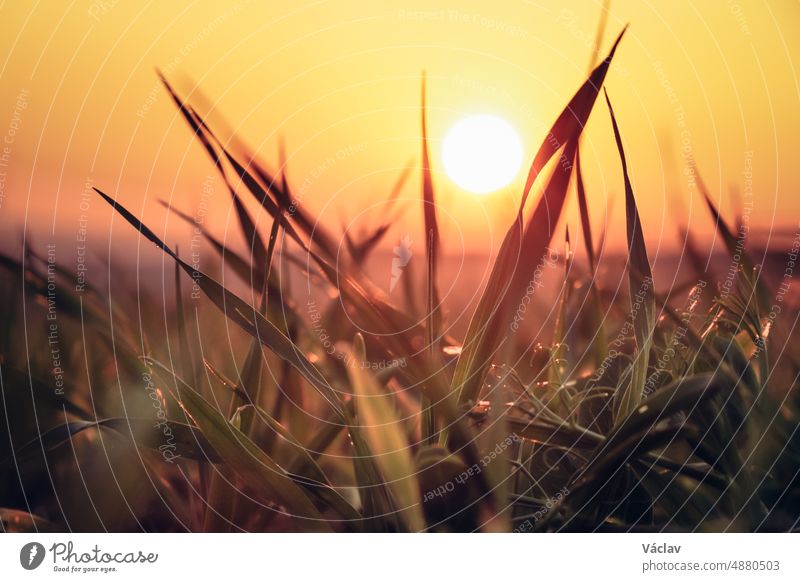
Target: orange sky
pixel 340 82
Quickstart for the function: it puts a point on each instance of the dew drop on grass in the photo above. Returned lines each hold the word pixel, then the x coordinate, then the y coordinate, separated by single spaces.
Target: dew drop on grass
pixel 452 350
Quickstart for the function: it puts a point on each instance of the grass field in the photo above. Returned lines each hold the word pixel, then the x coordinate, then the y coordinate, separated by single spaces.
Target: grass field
pixel 328 405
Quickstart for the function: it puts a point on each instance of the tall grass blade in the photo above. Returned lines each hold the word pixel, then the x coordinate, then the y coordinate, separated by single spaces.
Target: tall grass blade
pixel 487 329
pixel 570 123
pixel 254 242
pixel 386 438
pixel 184 354
pixel 642 294
pixel 736 248
pixel 595 305
pixel 238 311
pixel 432 250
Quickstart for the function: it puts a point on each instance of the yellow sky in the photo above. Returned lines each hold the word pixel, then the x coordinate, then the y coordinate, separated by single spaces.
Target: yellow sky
pixel 340 82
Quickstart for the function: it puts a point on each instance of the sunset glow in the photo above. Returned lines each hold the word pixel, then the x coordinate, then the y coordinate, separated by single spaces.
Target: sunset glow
pixel 372 267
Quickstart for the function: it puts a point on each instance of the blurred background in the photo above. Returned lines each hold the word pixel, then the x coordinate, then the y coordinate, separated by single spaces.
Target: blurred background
pixel 694 83
pixel 699 88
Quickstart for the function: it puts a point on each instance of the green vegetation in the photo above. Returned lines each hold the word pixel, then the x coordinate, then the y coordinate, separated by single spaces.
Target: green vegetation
pixel 651 412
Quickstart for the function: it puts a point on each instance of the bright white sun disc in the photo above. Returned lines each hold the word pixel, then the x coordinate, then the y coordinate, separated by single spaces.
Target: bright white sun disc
pixel 482 153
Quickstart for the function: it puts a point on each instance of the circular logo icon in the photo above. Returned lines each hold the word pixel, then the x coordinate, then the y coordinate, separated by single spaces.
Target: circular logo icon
pixel 31 555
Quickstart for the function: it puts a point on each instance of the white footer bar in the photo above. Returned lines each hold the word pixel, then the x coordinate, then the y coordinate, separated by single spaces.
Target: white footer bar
pixel 369 557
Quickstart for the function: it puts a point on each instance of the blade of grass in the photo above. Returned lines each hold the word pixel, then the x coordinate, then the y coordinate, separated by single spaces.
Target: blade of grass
pixel 270 191
pixel 508 279
pixel 571 121
pixel 304 469
pixel 265 477
pixel 432 249
pixel 240 312
pixel 643 303
pixel 559 352
pixel 184 353
pixel 279 303
pixel 230 258
pixel 736 248
pixel 386 439
pixel 596 306
pixel 251 377
pixel 254 242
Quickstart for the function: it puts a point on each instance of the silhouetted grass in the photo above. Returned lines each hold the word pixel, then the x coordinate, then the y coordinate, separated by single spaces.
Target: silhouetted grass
pixel 672 423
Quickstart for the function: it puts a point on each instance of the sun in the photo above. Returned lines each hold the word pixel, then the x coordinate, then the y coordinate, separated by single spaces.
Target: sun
pixel 482 153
